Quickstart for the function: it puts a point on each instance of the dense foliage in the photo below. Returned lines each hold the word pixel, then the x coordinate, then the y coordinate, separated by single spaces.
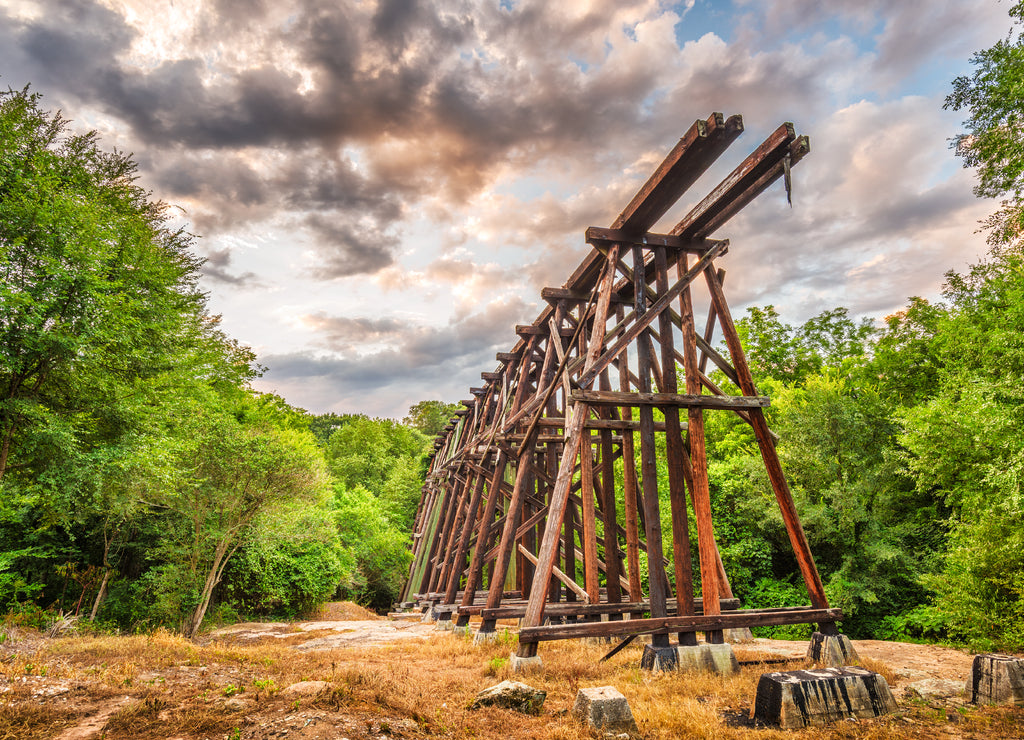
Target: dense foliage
pixel 142 481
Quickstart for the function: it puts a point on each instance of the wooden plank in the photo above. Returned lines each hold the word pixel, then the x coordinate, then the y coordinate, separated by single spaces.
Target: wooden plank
pixel 667 400
pixel 665 625
pixel 797 150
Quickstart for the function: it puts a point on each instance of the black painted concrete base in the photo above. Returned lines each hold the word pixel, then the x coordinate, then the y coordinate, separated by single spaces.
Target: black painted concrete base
pixel 795 699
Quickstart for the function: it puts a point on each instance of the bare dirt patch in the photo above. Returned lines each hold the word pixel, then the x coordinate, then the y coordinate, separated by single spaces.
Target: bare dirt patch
pixel 402 679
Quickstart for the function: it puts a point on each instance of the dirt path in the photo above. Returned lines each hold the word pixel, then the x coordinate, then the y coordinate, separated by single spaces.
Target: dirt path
pixel 910 662
pixel 329 634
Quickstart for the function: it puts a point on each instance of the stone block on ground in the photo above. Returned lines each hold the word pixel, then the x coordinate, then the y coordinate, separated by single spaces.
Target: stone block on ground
pixel 511 695
pixel 831 650
pixel 305 688
pixel 996 679
pixel 605 709
pixel 428 615
pixel 705 657
pixel 443 625
pixel 935 689
pixel 815 698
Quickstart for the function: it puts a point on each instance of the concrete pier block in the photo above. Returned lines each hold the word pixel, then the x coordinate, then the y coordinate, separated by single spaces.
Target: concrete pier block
pixel 605 709
pixel 795 699
pixel 428 615
pixel 525 665
pixel 738 634
pixel 996 679
pixel 718 659
pixel 831 650
pixel 462 631
pixel 444 625
pixel 485 638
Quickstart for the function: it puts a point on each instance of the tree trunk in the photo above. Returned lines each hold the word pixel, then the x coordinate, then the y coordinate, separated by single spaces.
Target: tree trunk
pixel 101 595
pixel 220 561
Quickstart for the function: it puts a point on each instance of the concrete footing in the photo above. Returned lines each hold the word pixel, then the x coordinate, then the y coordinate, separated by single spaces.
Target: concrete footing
pixel 462 631
pixel 444 625
pixel 428 615
pixel 996 679
pixel 605 709
pixel 738 634
pixel 485 638
pixel 795 699
pixel 525 665
pixel 718 659
pixel 831 650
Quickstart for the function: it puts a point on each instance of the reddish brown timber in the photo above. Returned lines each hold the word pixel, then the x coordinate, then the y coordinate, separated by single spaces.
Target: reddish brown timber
pixel 797 150
pixel 629 481
pixel 491 376
pixel 515 611
pixel 699 488
pixel 665 625
pixel 467 529
pixel 645 318
pixel 640 399
pixel 589 521
pixel 771 151
pixel 569 583
pixel 560 494
pixel 797 538
pixel 506 356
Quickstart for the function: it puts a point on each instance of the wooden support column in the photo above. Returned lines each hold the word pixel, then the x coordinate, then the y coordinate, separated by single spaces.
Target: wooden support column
pixel 467 530
pixel 612 555
pixel 629 483
pixel 577 415
pixel 797 538
pixel 706 545
pixel 656 577
pixel 676 460
pixel 476 564
pixel 589 517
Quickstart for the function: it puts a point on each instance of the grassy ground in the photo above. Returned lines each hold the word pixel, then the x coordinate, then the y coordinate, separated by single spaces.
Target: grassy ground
pixel 162 686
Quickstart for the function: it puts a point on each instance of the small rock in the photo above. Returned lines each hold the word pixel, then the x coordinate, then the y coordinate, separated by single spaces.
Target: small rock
pixel 936 688
pixel 305 688
pixel 511 695
pixel 605 709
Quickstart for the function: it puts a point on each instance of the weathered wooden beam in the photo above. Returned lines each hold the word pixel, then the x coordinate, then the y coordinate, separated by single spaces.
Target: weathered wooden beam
pixel 679 400
pixel 666 625
pixel 595 235
pixel 734 192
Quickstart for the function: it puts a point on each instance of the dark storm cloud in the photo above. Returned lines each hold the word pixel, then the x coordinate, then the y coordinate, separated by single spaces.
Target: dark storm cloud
pixel 347 250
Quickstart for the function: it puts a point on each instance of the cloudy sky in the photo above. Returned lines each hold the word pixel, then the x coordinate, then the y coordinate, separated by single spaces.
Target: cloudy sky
pixel 382 187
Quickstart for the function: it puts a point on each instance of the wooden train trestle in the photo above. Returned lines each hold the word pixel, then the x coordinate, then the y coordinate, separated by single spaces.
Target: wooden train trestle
pixel 533 490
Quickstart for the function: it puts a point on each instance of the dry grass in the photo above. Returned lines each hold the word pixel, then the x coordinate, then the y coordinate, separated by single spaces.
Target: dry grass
pixel 176 688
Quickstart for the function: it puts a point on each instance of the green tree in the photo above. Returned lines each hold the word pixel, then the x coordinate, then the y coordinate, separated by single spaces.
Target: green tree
pixel 430 417
pixel 994 141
